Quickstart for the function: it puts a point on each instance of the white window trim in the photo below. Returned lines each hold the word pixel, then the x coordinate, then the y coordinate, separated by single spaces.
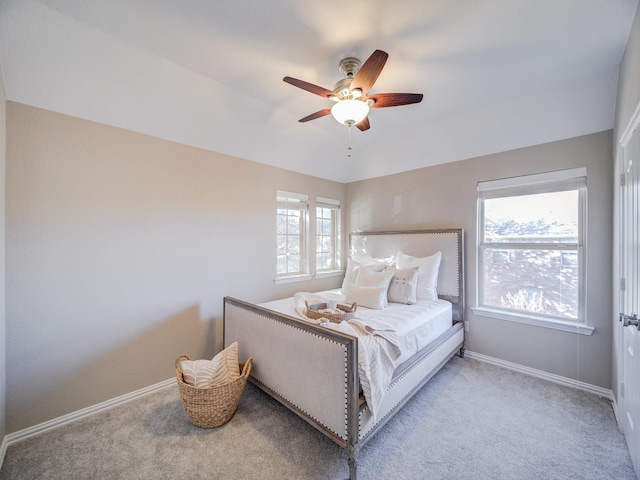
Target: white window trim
pixel 283 279
pixel 329 273
pixel 566 326
pixel 512 186
pixel 304 257
pixel 324 202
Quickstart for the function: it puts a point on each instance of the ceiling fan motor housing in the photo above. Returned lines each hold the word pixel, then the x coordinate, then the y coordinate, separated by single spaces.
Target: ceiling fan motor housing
pixel 348 67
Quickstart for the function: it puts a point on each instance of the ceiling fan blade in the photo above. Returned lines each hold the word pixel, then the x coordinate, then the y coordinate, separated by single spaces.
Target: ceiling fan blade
pixel 318 114
pixel 394 99
pixel 364 124
pixel 310 87
pixel 369 71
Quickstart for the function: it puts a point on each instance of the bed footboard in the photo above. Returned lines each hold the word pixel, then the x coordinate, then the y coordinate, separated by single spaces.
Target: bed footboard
pixel 314 370
pixel 304 366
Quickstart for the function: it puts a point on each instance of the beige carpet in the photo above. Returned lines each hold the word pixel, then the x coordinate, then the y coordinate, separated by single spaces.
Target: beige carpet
pixel 471 421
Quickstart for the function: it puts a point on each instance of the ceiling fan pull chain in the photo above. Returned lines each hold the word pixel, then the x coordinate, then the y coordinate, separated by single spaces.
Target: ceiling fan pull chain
pixel 349 148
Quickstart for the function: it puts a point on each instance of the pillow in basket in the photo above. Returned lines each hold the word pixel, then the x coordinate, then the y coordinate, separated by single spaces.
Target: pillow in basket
pixel 221 369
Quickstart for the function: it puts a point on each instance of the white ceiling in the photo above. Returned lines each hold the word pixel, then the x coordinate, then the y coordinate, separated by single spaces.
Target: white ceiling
pixel 496 74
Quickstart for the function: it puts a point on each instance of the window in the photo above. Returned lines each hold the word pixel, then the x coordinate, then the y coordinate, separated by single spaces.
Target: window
pixel 327 234
pixel 531 247
pixel 292 209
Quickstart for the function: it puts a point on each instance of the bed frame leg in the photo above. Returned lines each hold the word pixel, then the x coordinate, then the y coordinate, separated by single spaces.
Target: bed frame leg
pixel 461 352
pixel 353 465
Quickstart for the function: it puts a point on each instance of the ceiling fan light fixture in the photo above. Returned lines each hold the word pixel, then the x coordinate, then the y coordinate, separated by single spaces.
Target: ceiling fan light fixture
pixel 351 93
pixel 350 112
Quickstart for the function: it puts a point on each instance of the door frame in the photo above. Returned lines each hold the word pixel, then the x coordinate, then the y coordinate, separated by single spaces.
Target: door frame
pixel 618 332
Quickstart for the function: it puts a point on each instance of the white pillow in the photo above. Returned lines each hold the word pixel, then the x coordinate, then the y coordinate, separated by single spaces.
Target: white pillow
pixel 370 297
pixel 403 286
pixel 370 289
pixel 371 278
pixel 221 369
pixel 350 275
pixel 428 273
pixel 364 258
pixel 353 265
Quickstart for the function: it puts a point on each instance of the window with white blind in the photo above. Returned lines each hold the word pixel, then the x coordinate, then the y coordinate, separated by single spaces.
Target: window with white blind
pixel 531 251
pixel 327 235
pixel 292 232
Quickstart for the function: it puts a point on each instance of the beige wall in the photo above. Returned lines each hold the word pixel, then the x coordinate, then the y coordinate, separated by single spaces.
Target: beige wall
pixel 3 342
pixel 120 249
pixel 445 196
pixel 627 101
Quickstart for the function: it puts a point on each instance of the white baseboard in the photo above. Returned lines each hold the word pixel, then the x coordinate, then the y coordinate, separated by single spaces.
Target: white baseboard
pixel 569 382
pixel 79 414
pixel 614 404
pixel 3 450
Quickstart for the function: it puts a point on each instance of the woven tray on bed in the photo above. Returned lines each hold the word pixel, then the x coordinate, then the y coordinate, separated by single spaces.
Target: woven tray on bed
pixel 340 313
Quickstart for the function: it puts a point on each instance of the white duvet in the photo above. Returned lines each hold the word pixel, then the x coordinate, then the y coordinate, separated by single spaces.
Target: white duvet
pixel 386 338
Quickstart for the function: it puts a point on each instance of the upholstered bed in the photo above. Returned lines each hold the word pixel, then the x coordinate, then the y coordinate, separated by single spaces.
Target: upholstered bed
pixel 348 378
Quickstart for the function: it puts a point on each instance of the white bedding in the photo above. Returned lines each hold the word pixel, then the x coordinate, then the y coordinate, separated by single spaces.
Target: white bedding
pixel 386 338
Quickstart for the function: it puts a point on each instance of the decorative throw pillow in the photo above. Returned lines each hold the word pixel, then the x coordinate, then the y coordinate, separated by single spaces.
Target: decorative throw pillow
pixel 221 369
pixel 428 273
pixel 370 297
pixel 403 286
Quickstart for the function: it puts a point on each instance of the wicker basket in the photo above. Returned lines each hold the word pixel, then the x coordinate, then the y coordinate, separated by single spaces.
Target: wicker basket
pixel 214 406
pixel 347 312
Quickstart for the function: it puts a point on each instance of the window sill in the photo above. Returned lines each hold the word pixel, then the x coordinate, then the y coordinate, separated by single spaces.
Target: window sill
pixel 565 326
pixel 292 279
pixel 330 273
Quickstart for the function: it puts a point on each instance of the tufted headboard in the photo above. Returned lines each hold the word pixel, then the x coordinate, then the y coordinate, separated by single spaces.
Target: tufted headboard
pixel 422 243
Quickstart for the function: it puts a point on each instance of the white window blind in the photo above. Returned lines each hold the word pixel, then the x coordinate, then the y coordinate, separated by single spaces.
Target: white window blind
pixel 557 181
pixel 328 203
pixel 293 201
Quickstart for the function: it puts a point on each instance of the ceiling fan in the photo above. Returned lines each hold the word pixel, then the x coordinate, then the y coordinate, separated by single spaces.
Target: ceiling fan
pixel 351 94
